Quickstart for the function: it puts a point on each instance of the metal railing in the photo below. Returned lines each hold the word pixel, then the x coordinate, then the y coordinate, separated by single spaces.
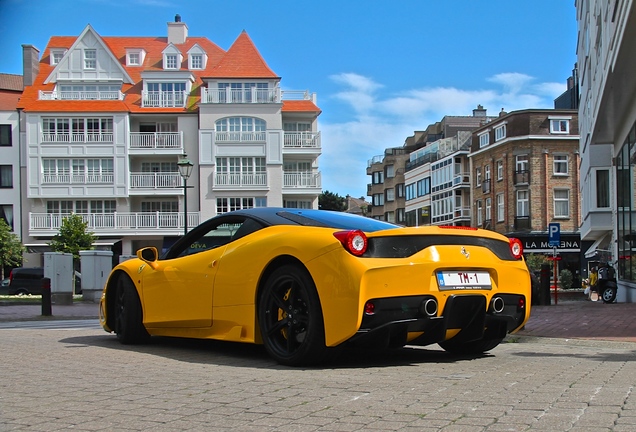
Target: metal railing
pixel 156 140
pixel 254 136
pixel 301 179
pixel 240 179
pixel 250 95
pixel 163 99
pixel 301 140
pixel 78 178
pixel 80 95
pixel 77 137
pixel 116 221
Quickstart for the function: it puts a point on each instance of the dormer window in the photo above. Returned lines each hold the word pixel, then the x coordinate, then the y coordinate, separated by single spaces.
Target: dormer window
pixel 56 56
pixel 559 125
pixel 135 57
pixel 196 61
pixel 171 61
pixel 484 139
pixel 197 57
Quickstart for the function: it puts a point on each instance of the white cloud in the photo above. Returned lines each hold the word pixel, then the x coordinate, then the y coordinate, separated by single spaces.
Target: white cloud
pixel 378 120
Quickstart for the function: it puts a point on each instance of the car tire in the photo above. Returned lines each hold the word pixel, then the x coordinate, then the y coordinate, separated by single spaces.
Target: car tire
pixel 290 318
pixel 470 348
pixel 21 292
pixel 609 294
pixel 129 325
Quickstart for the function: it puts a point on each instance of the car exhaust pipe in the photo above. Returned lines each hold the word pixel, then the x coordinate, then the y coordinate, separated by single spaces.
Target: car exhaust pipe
pixel 430 307
pixel 497 304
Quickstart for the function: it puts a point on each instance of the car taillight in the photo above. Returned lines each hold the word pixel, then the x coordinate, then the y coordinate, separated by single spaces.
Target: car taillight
pixel 10 277
pixel 516 248
pixel 354 241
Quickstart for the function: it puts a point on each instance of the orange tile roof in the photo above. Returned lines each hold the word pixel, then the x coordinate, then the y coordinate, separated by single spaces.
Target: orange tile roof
pixel 242 60
pixel 300 106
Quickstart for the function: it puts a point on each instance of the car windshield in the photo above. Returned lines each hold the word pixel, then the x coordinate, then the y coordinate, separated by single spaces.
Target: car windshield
pixel 334 219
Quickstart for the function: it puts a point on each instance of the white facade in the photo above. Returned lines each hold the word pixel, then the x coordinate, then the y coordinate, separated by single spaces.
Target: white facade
pixel 10 170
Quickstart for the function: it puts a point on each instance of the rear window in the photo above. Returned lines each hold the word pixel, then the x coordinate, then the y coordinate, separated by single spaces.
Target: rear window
pixel 332 219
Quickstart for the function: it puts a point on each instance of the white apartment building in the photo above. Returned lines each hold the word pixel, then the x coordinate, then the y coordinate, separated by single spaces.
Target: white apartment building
pixel 10 90
pixel 607 123
pixel 106 120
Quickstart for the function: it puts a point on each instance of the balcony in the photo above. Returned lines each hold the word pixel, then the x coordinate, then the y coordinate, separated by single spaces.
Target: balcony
pixel 142 223
pixel 301 142
pixel 239 180
pixel 80 95
pixel 462 213
pixel 155 182
pixel 77 137
pixel 522 223
pixel 240 96
pixel 485 186
pixel 522 177
pixel 301 179
pixel 163 99
pixel 78 179
pixel 149 142
pixel 461 179
pixel 247 136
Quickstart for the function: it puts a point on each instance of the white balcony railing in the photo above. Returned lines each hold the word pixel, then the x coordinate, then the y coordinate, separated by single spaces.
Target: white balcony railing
pixel 78 179
pixel 301 179
pixel 118 223
pixel 163 99
pixel 81 95
pixel 242 96
pixel 301 140
pixel 155 180
pixel 253 136
pixel 238 180
pixel 156 140
pixel 77 137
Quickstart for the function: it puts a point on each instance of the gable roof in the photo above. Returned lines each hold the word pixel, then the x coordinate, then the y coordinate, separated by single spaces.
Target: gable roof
pixel 11 82
pixel 242 60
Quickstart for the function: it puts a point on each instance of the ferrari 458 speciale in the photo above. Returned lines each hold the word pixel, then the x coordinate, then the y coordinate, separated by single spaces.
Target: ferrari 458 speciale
pixel 302 281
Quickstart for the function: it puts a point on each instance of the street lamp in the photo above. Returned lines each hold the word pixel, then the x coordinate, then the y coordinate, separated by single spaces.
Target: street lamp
pixel 185 169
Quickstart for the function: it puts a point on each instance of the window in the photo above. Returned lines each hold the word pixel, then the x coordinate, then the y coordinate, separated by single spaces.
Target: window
pixel 389 217
pixel 171 61
pixel 523 203
pixel 6 176
pixel 390 194
pixel 487 172
pixel 424 186
pixel 240 129
pixel 90 59
pixel 56 56
pixel 159 167
pixel 499 170
pixel 165 94
pixel 5 136
pixel 500 207
pixel 410 191
pixel 559 126
pixel 81 207
pixel 484 139
pixel 500 132
pixel 560 165
pixel 297 204
pixel 390 172
pixel 77 171
pixel 6 214
pixel 488 209
pixel 400 216
pixel 399 190
pixel 378 177
pixel 561 203
pixel 521 164
pixel 601 188
pixel 378 199
pixel 88 92
pixel 196 61
pixel 477 177
pixel 81 130
pixel 134 59
pixel 480 216
pixel 224 205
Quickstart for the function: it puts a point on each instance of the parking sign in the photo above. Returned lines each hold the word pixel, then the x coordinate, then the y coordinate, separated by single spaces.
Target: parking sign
pixel 554 234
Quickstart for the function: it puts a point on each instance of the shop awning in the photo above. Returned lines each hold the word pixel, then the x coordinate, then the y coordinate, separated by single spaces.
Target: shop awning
pixel 601 244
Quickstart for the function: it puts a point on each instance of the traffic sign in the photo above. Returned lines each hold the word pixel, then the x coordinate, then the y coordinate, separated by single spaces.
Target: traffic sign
pixel 554 234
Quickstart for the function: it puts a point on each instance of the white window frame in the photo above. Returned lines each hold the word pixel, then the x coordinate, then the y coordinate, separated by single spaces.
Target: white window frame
pixel 389 195
pixel 522 163
pixel 487 172
pixel 477 176
pixel 484 139
pixel 595 192
pixel 90 59
pixel 56 56
pixel 560 125
pixel 561 203
pixel 390 171
pixel 499 170
pixel 489 209
pixel 523 203
pixel 196 61
pixel 500 207
pixel 480 216
pixel 500 132
pixel 559 162
pixel 171 61
pixel 133 59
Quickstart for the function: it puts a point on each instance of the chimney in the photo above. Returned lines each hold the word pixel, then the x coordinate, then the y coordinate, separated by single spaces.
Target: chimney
pixel 479 111
pixel 177 31
pixel 30 64
pixel 502 113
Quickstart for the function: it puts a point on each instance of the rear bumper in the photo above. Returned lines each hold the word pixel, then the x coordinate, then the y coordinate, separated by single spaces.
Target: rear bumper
pixel 395 318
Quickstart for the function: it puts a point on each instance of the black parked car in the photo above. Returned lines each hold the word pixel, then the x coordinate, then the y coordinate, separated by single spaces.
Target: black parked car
pixel 24 280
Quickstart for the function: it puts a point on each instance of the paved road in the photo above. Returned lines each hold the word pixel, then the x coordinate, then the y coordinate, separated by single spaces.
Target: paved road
pixel 58 378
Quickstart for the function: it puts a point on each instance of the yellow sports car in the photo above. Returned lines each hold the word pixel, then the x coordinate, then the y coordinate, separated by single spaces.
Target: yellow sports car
pixel 301 281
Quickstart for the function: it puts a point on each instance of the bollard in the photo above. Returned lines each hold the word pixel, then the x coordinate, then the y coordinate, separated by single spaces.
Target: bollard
pixel 46 297
pixel 544 293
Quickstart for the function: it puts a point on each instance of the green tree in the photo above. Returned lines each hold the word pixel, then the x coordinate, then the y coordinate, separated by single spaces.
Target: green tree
pixel 566 278
pixel 332 201
pixel 11 248
pixel 72 237
pixel 534 261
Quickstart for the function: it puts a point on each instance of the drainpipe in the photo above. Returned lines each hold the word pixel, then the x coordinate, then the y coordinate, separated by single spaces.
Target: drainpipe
pixel 545 185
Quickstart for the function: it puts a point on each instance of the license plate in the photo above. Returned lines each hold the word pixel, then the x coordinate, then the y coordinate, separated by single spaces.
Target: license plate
pixel 463 280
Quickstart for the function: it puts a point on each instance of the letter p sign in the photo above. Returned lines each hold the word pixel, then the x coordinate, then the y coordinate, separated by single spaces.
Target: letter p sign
pixel 554 234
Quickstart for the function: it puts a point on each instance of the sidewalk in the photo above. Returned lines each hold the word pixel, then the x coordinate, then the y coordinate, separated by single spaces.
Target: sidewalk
pixel 569 319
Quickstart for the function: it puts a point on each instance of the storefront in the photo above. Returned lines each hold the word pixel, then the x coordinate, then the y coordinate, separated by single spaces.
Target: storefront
pixel 568 253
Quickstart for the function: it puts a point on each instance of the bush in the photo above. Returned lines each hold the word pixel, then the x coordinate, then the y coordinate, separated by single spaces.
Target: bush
pixel 566 278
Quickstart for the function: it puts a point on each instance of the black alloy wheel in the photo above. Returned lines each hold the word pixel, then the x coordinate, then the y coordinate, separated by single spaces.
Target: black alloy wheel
pixel 290 317
pixel 129 325
pixel 609 294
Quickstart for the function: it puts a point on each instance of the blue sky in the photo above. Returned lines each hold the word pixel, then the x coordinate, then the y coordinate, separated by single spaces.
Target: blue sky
pixel 381 69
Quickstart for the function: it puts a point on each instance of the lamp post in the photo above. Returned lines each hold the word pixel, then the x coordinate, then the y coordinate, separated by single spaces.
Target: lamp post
pixel 185 169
